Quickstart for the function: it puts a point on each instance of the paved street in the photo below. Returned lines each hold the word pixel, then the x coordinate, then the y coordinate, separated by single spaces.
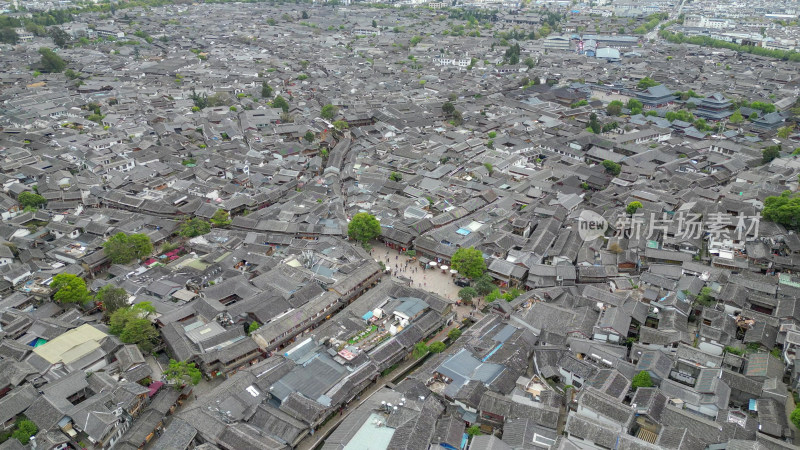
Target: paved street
pixel 431 280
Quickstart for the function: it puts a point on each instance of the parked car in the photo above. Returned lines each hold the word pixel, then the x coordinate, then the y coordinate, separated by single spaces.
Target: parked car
pixel 463 282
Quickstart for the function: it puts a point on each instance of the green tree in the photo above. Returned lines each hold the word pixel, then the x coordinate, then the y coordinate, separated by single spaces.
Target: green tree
pixel 733 350
pixel 29 199
pixel 492 134
pixel 736 118
pixel 484 284
pixel 783 209
pixel 764 107
pixel 770 153
pixel 594 125
pixel 8 35
pixel 489 167
pixel 642 379
pixel 309 136
pixel 266 90
pixel 512 294
pixel 374 24
pixel 437 347
pixel 612 167
pixel 281 103
pixel 448 108
pixel 682 115
pixel 221 218
pixel 328 112
pixel 304 15
pixel 467 294
pixel 340 125
pixel 635 106
pixel 420 350
pixel 194 227
pixel 59 36
pixel 753 116
pixel 785 132
pixel 253 327
pixel 529 62
pixel 647 82
pixel 474 430
pixel 469 262
pixel 458 118
pixel 71 74
pixel 632 207
pixel 123 316
pixel 795 417
pixel 50 61
pixel 140 331
pixel 112 298
pixel 396 176
pixel 614 108
pixel 123 248
pixel 181 372
pixel 454 334
pixel 363 227
pixel 705 298
pixel 70 288
pixel 25 429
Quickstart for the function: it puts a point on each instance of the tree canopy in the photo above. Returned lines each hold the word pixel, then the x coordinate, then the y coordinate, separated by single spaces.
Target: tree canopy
pixel 785 132
pixel 50 61
pixel 448 108
pixel 8 35
pixel 281 103
pixel 266 90
pixel 420 350
pixel 123 248
pixel 507 296
pixel 363 227
pixel 454 334
pixel 328 112
pixel 468 261
pixel 795 417
pixel 614 108
pixel 632 207
pixel 60 37
pixel 770 153
pixel 437 347
pixel 112 298
pixel 635 106
pixel 221 218
pixel 612 167
pixel 467 294
pixel 181 372
pixel 30 200
pixel 132 326
pixel 70 288
pixel 783 209
pixel 25 429
pixel 647 82
pixel 642 379
pixel 194 227
pixel 484 284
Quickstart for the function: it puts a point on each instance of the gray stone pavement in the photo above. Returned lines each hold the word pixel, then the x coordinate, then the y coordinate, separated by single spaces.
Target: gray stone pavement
pixel 431 280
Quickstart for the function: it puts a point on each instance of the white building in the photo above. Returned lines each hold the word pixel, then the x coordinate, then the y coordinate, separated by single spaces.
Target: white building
pixel 698 21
